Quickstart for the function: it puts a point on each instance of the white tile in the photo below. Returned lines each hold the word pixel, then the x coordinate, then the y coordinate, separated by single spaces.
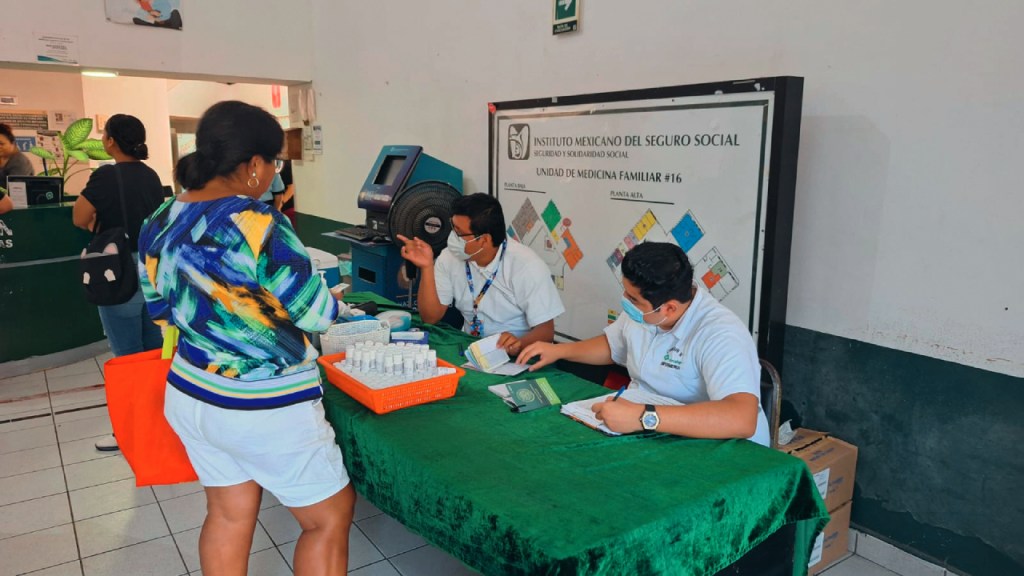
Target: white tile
pixel 74 382
pixel 20 386
pixel 69 569
pixel 268 563
pixel 857 566
pixel 430 561
pixel 169 491
pixel 389 535
pixel 26 423
pixel 360 550
pixel 82 451
pixel 186 512
pixel 87 428
pixel 851 542
pixel 109 497
pixel 96 472
pixel 364 509
pixel 269 500
pixel 280 524
pixel 154 558
pixel 25 439
pixel 102 359
pixel 261 540
pixel 288 551
pixel 378 569
pixel 25 409
pixel 32 485
pixel 29 460
pixel 120 529
pixel 81 414
pixel 33 515
pixel 38 550
pixel 891 557
pixel 82 367
pixel 188 545
pixel 71 399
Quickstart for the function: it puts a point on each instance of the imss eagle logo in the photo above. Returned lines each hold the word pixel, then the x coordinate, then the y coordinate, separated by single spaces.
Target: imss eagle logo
pixel 518 141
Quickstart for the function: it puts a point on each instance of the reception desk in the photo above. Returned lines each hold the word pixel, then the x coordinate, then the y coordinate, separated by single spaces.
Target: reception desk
pixel 42 309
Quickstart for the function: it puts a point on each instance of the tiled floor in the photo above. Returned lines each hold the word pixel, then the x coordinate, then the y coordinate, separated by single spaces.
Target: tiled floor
pixel 68 510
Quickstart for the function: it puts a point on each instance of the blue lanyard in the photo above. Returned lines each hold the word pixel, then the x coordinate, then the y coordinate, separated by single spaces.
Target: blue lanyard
pixel 476 327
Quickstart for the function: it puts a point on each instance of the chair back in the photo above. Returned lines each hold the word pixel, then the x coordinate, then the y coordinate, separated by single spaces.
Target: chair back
pixel 771 398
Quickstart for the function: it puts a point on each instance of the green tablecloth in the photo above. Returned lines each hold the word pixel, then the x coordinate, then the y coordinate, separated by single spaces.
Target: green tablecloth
pixel 538 493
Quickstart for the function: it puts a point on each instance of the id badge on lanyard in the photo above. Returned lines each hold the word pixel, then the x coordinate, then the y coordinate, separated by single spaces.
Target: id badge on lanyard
pixel 476 326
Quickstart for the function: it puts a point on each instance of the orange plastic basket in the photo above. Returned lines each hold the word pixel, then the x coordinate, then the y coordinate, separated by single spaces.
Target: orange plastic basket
pixel 395 397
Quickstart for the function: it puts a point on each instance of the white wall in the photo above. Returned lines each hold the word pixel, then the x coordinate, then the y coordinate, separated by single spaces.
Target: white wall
pixel 49 91
pixel 190 98
pixel 236 38
pixel 144 98
pixel 908 221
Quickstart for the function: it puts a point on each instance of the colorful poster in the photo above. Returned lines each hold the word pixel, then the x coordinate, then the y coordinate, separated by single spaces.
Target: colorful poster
pixel 154 13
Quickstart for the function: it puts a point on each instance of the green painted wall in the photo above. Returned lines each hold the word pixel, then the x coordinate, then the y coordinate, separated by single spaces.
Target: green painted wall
pixel 941 462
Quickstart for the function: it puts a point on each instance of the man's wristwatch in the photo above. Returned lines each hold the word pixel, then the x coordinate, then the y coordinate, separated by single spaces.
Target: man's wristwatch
pixel 649 419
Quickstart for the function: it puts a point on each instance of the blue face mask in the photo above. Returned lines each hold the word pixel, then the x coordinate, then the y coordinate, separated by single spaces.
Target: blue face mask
pixel 633 312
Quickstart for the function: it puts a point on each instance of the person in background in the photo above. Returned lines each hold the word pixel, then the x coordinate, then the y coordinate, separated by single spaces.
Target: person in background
pixel 12 162
pixel 500 286
pixel 676 341
pixel 285 201
pixel 276 186
pixel 128 326
pixel 243 390
pixel 6 205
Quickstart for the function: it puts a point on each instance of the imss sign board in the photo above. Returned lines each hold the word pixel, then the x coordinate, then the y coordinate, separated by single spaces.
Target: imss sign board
pixel 584 179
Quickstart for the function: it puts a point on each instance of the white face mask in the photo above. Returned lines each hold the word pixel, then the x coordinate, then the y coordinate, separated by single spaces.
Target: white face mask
pixel 457 246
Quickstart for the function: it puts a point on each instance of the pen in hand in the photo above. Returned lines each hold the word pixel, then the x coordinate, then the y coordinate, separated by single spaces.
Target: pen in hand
pixel 619 393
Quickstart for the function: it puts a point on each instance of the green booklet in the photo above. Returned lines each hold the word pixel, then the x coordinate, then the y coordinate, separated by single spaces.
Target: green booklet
pixel 526 395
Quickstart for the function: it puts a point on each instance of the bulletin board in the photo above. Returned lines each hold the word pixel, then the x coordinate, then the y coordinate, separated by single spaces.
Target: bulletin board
pixel 709 167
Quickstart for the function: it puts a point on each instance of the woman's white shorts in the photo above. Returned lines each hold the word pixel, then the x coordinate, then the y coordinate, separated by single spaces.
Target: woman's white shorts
pixel 289 451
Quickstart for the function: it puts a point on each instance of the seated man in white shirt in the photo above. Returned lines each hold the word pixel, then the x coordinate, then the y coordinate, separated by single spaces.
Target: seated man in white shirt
pixel 499 285
pixel 676 341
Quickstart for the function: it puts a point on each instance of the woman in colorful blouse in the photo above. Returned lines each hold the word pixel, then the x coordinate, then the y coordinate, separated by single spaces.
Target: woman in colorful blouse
pixel 244 392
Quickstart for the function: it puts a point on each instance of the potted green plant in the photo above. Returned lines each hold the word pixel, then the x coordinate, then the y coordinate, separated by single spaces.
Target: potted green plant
pixel 78 150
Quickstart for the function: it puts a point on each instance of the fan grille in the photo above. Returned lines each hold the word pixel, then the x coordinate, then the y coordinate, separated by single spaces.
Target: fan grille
pixel 423 211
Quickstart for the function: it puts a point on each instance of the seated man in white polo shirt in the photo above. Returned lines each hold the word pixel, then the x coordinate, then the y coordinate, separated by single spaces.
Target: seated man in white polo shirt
pixel 499 285
pixel 677 341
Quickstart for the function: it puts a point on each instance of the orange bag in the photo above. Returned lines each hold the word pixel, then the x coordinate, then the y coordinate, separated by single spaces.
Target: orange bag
pixel 135 398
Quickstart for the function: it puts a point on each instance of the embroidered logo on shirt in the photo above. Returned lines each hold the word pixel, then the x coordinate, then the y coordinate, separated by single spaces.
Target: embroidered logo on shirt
pixel 673 358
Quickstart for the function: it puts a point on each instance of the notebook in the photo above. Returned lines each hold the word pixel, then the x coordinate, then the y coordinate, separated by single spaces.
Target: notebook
pixel 582 411
pixel 484 355
pixel 526 395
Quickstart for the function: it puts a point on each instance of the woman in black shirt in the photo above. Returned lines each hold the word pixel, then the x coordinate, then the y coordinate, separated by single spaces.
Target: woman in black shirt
pixel 128 326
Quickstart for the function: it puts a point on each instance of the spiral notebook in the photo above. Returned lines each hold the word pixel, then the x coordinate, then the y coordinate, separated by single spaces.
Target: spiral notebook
pixel 582 410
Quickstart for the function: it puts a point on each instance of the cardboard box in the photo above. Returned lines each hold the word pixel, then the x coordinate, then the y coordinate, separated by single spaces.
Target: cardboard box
pixel 831 544
pixel 832 462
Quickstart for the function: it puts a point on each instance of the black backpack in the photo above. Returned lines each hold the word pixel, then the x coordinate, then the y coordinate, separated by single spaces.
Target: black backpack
pixel 109 273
